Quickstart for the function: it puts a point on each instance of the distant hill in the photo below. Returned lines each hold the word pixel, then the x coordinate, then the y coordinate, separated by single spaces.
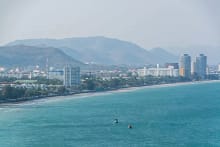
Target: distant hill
pixel 163 55
pixel 21 55
pixel 102 50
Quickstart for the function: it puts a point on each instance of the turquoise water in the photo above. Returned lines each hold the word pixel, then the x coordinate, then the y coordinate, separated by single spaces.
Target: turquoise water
pixel 186 115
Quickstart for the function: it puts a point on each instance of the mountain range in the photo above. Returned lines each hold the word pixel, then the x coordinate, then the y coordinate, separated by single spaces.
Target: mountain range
pixel 97 50
pixel 21 55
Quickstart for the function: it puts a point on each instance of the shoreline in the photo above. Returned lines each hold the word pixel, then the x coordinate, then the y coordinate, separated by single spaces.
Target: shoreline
pixel 91 94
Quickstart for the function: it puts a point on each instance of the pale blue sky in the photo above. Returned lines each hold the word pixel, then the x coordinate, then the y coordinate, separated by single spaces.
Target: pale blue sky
pixel 149 23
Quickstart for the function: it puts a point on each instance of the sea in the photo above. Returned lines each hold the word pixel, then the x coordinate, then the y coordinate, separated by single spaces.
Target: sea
pixel 184 115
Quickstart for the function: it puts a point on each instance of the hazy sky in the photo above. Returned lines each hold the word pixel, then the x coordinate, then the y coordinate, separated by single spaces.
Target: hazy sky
pixel 149 23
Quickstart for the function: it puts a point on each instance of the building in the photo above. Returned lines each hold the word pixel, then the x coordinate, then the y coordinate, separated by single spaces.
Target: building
pixel 193 67
pixel 185 66
pixel 170 71
pixel 174 65
pixel 201 65
pixel 71 76
pixel 55 74
pixel 218 67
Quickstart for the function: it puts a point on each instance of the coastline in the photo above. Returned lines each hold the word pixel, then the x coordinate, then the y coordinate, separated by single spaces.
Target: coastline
pixel 91 94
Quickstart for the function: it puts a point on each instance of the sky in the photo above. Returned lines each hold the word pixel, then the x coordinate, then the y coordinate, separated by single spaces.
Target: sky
pixel 172 24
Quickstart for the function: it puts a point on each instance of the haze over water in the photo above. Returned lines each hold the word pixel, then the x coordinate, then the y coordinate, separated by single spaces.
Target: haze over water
pixel 170 116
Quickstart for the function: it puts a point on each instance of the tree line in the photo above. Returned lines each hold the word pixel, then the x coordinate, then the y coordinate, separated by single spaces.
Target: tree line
pixel 89 83
pixel 98 84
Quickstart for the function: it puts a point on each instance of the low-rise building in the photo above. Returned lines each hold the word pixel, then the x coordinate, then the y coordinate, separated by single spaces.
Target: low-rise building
pixel 170 71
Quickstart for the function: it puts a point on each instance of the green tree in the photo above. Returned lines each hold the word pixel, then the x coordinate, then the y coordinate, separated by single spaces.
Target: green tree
pixel 61 90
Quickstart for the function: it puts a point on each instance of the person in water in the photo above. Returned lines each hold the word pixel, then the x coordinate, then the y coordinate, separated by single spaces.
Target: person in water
pixel 116 121
pixel 129 126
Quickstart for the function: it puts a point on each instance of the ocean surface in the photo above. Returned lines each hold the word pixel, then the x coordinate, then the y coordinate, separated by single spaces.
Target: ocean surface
pixel 187 115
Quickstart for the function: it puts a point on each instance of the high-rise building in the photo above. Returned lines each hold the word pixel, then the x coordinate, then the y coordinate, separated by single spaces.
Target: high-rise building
pixel 71 76
pixel 185 66
pixel 201 64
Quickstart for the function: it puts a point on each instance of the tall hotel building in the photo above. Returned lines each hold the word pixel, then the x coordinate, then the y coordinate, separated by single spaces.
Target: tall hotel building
pixel 71 76
pixel 185 66
pixel 200 66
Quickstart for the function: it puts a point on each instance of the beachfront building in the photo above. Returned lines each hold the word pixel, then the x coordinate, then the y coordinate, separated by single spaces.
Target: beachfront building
pixel 185 66
pixel 174 65
pixel 200 66
pixel 193 67
pixel 71 76
pixel 169 71
pixel 218 67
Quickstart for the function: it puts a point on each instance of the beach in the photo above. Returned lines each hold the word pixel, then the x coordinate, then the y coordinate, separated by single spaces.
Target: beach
pixel 92 94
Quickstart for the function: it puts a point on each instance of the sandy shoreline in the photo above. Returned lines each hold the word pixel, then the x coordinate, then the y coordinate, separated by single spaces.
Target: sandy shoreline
pixel 86 95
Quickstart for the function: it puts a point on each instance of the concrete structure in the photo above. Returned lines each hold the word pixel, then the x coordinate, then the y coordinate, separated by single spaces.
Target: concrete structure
pixel 170 71
pixel 218 67
pixel 55 74
pixel 201 65
pixel 185 66
pixel 193 67
pixel 71 76
pixel 174 65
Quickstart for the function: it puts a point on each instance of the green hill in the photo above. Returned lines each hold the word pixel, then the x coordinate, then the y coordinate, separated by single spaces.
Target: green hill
pixel 21 55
